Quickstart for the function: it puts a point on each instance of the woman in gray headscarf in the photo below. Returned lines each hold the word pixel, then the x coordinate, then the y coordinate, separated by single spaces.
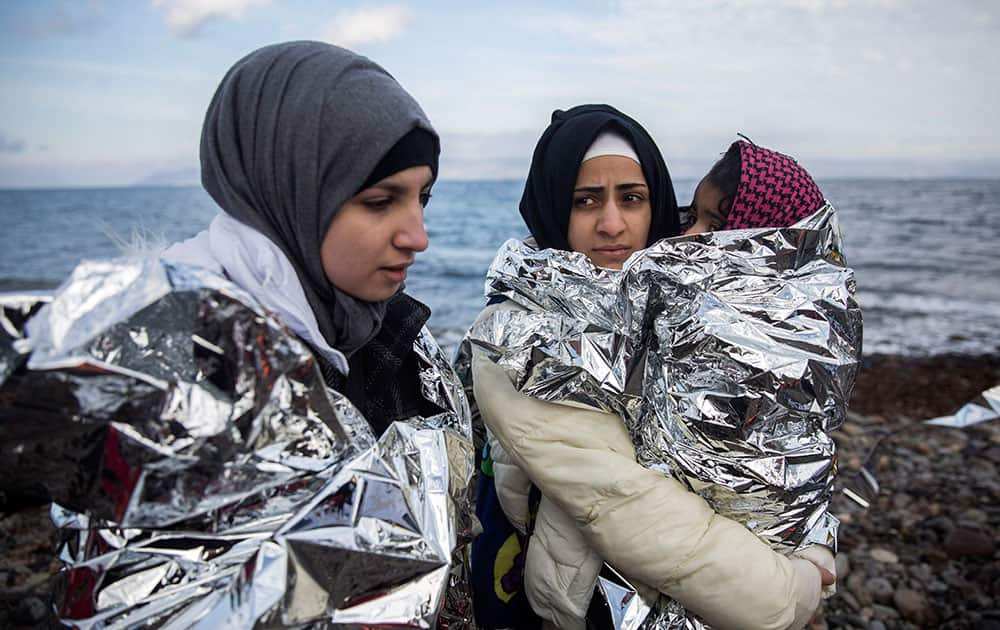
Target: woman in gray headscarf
pixel 202 473
pixel 321 164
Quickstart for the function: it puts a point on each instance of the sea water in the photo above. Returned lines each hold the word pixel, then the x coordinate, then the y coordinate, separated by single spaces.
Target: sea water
pixel 924 251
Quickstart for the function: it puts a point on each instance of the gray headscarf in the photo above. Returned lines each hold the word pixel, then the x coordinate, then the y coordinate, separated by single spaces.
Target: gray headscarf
pixel 292 132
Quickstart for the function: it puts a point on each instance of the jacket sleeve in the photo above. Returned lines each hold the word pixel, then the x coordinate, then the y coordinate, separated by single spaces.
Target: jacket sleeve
pixel 644 524
pixel 512 485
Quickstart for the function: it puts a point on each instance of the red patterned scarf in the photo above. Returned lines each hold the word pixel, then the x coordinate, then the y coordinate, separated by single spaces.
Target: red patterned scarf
pixel 774 190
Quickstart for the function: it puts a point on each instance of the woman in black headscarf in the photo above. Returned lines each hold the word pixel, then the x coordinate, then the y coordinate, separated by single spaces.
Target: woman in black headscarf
pixel 550 190
pixel 565 477
pixel 321 164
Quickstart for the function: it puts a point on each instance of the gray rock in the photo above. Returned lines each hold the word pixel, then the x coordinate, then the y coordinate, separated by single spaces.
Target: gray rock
pixel 880 589
pixel 966 541
pixel 913 606
pixel 974 515
pixel 875 624
pixel 884 555
pixel 856 586
pixel 850 600
pixel 937 587
pixel 885 612
pixel 922 572
pixel 843 561
pixel 30 611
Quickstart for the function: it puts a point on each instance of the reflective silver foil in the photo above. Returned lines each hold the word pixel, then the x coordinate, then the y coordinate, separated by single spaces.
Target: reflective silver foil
pixel 203 475
pixel 730 355
pixel 984 408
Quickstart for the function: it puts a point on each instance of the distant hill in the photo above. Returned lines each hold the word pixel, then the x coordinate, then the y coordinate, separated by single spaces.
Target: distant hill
pixel 182 177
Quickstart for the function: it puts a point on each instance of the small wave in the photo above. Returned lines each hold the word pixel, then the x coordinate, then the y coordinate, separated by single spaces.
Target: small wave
pixel 924 305
pixel 26 284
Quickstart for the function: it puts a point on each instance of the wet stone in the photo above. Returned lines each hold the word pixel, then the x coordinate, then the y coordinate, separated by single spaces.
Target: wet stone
pixel 966 541
pixel 937 587
pixel 884 555
pixel 843 562
pixel 852 429
pixel 974 515
pixel 913 606
pixel 850 600
pixel 941 524
pixel 885 612
pixel 880 589
pixel 30 611
pixel 856 586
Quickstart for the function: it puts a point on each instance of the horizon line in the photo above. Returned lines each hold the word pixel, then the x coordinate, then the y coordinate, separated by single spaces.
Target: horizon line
pixel 82 187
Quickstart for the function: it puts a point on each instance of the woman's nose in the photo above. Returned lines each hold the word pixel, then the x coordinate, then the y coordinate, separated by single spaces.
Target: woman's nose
pixel 411 233
pixel 612 221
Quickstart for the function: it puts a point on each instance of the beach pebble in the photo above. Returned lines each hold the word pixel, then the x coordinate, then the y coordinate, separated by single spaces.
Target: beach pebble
pixel 913 606
pixel 884 555
pixel 875 624
pixel 885 612
pixel 974 515
pixel 880 589
pixel 30 611
pixel 921 572
pixel 940 524
pixel 937 587
pixel 851 601
pixel 857 418
pixel 967 541
pixel 990 620
pixel 856 586
pixel 843 562
pixel 852 429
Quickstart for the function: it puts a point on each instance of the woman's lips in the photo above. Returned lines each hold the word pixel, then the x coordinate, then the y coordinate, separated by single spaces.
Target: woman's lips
pixel 396 273
pixel 615 251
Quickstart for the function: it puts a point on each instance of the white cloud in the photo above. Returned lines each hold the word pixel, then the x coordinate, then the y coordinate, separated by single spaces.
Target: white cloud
pixel 186 17
pixel 813 78
pixel 368 26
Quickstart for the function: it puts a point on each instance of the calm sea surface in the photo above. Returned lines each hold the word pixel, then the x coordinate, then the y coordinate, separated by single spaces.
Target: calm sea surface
pixel 925 251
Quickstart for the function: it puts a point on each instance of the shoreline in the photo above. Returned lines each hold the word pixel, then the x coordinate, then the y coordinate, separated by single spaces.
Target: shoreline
pixel 922 387
pixel 925 553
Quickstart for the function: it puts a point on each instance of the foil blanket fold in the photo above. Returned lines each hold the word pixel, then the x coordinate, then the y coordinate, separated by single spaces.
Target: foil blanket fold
pixel 203 475
pixel 730 356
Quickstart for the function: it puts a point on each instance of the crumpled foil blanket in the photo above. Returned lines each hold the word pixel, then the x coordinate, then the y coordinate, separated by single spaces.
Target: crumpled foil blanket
pixel 730 355
pixel 203 475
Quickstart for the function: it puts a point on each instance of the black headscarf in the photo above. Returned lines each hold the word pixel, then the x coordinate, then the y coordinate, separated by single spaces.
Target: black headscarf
pixel 293 132
pixel 548 193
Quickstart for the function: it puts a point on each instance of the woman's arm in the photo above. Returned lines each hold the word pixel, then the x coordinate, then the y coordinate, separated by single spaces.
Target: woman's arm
pixel 644 524
pixel 512 485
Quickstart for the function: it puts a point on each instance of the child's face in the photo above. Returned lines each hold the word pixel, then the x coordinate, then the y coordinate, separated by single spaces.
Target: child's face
pixel 705 208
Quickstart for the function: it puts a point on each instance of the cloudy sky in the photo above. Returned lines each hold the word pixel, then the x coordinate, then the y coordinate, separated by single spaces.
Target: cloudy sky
pixel 107 93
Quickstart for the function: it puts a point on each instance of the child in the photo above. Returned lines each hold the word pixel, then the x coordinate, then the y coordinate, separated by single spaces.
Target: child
pixel 752 187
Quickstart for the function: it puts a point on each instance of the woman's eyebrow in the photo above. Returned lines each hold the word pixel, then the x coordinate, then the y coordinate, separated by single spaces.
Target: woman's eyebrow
pixel 630 186
pixel 591 189
pixel 391 188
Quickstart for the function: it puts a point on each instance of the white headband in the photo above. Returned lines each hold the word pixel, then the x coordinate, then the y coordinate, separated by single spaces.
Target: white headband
pixel 610 143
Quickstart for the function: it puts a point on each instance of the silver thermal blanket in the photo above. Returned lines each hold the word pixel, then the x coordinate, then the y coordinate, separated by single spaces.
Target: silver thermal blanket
pixel 730 356
pixel 203 475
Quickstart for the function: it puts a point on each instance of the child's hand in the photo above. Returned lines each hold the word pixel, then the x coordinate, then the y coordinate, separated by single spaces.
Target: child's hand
pixel 824 561
pixel 827 577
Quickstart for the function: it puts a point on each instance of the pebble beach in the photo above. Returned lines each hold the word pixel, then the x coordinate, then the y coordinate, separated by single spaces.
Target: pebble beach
pixel 925 553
